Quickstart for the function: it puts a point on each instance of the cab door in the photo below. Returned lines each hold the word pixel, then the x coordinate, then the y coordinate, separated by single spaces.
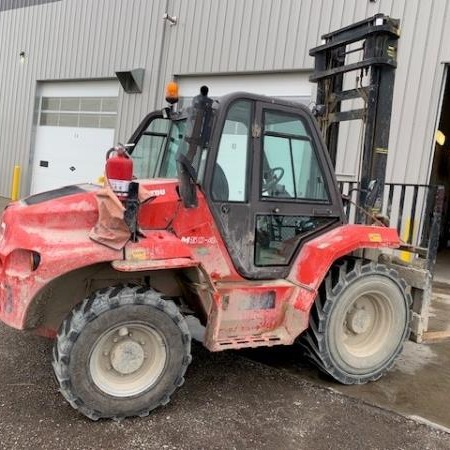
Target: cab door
pixel 294 193
pixel 229 179
pixel 271 185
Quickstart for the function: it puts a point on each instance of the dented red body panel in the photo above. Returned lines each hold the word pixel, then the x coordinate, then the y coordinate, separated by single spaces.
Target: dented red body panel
pixel 56 230
pixel 243 313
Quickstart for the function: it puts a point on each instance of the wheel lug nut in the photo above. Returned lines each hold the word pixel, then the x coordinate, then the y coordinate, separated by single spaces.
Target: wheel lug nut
pixel 115 340
pixel 105 353
pixel 123 332
pixel 130 334
pixel 142 342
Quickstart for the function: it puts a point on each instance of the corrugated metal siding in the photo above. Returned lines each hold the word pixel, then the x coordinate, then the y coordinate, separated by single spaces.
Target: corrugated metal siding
pixel 72 39
pixel 276 35
pixel 15 4
pixel 410 141
pixel 85 39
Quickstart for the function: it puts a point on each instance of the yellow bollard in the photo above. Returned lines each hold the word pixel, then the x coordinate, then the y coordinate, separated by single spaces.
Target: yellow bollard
pixel 15 184
pixel 404 255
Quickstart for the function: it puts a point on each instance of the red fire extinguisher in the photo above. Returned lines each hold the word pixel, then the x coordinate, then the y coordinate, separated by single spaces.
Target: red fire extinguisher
pixel 119 171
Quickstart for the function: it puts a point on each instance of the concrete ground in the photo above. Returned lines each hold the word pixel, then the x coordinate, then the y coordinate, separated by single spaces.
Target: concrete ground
pixel 418 384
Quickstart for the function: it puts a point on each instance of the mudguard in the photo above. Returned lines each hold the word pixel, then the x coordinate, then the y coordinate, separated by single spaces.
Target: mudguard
pixel 316 256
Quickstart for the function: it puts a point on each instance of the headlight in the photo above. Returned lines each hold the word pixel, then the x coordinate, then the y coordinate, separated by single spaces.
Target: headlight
pixel 22 262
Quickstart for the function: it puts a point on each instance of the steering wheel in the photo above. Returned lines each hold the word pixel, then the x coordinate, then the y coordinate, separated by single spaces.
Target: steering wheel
pixel 271 178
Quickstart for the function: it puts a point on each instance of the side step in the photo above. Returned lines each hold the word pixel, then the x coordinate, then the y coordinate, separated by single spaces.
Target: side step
pixel 236 342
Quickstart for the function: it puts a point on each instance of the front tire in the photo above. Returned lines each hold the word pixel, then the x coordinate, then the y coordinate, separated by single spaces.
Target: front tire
pixel 359 322
pixel 121 353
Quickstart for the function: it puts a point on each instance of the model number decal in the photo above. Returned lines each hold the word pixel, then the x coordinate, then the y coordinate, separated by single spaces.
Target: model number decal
pixel 199 240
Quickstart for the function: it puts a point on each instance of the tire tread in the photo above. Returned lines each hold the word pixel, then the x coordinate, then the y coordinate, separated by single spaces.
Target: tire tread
pixel 96 304
pixel 313 340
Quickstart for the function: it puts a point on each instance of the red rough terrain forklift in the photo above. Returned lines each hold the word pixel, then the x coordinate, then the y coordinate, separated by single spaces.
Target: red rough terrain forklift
pixel 234 221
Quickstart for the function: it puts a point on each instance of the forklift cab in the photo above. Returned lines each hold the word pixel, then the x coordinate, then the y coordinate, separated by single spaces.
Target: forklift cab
pixel 264 171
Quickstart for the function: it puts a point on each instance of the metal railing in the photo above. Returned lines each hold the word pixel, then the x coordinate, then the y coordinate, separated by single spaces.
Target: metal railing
pixel 415 210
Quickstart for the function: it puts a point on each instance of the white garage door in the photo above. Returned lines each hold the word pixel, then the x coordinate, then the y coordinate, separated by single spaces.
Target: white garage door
pixel 292 85
pixel 75 129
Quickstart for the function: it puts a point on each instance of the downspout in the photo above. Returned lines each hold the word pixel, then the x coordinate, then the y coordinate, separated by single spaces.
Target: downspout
pixel 161 57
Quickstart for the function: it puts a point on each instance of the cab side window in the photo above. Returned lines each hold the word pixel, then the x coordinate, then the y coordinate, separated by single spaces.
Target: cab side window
pixel 290 171
pixel 278 236
pixel 230 171
pixel 148 150
pixel 289 168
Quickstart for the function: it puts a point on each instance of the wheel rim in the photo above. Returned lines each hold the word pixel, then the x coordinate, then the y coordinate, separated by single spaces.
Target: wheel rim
pixel 367 321
pixel 365 331
pixel 127 359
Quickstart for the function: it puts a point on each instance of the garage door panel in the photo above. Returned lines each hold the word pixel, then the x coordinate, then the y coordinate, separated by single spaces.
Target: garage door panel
pixel 75 143
pixel 292 85
pixel 73 154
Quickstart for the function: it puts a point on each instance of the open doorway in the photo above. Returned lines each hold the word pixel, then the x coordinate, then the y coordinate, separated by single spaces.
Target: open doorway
pixel 440 175
pixel 440 172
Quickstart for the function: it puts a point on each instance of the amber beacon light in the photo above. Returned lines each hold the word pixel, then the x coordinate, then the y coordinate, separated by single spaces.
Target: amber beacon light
pixel 172 92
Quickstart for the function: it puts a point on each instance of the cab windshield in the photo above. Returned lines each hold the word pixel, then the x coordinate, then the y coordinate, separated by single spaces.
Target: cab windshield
pixel 154 153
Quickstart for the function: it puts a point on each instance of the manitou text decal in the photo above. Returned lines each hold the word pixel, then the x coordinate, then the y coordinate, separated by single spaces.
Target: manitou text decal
pixel 156 192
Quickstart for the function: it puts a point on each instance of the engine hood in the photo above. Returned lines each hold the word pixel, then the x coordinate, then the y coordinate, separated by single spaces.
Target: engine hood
pixel 70 207
pixel 75 209
pixel 64 191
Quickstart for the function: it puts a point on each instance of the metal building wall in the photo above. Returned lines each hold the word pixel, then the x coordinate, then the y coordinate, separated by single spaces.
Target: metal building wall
pixel 86 39
pixel 67 40
pixel 258 35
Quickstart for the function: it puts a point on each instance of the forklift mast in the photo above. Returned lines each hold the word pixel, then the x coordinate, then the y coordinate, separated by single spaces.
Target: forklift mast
pixel 374 40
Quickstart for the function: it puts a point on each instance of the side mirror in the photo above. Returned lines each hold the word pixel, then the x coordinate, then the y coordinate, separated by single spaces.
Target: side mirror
pixel 199 121
pixel 198 132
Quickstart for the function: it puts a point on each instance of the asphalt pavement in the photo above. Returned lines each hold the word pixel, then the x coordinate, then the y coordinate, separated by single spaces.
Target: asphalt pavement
pixel 227 402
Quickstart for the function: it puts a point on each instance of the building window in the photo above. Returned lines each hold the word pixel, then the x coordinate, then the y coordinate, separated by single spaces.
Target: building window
pixel 79 112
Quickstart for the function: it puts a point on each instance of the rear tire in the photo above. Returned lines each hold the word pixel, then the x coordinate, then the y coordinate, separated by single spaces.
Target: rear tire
pixel 121 353
pixel 359 322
